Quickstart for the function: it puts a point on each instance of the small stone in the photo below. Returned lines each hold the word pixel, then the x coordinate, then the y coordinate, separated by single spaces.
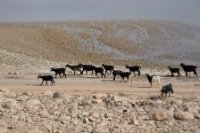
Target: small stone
pixel 27 93
pixel 85 120
pixel 96 101
pixel 11 104
pixel 47 93
pixel 95 115
pixel 92 119
pixel 44 113
pixel 122 94
pixel 157 103
pixel 67 118
pixel 4 90
pixel 84 103
pixel 99 96
pixel 85 114
pixel 99 130
pixel 34 131
pixel 106 115
pixel 181 115
pixel 58 95
pixel 159 115
pixel 133 122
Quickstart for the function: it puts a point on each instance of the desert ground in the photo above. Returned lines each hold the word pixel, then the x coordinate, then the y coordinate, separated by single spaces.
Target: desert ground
pixel 86 103
pixel 90 84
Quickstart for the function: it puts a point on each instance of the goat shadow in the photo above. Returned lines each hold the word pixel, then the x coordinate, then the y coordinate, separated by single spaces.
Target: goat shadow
pixel 113 81
pixel 179 77
pixel 107 80
pixel 139 86
pixel 39 84
pixel 90 77
pixel 171 76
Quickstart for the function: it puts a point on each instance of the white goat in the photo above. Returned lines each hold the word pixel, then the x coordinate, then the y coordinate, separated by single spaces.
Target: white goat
pixel 153 78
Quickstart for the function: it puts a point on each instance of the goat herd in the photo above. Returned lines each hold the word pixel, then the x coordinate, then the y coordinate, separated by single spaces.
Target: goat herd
pixel 109 69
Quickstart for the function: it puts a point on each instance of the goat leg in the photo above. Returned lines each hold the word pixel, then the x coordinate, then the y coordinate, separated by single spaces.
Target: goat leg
pixel 195 73
pixel 42 82
pixel 114 77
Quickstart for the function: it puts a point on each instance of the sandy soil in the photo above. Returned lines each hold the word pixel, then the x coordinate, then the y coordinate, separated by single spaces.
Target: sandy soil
pixel 89 84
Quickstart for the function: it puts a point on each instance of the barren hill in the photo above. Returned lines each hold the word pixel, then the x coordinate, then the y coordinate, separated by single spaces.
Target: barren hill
pixel 118 42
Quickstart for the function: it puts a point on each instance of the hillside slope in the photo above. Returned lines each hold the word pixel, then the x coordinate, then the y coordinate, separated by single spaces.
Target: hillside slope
pixel 118 42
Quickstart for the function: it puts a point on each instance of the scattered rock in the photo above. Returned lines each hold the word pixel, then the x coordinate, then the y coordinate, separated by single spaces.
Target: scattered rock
pixel 99 130
pixel 122 94
pixel 47 93
pixel 99 96
pixel 95 115
pixel 85 120
pixel 96 101
pixel 159 115
pixel 34 131
pixel 133 121
pixel 80 113
pixel 27 93
pixel 3 90
pixel 182 115
pixel 11 104
pixel 58 95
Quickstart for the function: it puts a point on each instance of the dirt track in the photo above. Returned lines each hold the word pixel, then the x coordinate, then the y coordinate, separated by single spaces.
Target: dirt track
pixel 88 84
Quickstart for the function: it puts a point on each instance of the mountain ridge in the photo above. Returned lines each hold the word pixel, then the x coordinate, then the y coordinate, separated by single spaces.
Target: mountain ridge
pixel 116 42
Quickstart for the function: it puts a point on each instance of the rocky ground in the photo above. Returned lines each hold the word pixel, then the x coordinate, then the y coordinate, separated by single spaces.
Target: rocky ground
pixel 85 103
pixel 56 112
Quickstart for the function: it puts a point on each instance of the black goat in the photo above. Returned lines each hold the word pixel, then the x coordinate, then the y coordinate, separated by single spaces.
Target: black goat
pixel 75 68
pixel 99 70
pixel 107 68
pixel 174 70
pixel 59 71
pixel 189 68
pixel 47 78
pixel 87 68
pixel 125 75
pixel 115 73
pixel 167 89
pixel 134 69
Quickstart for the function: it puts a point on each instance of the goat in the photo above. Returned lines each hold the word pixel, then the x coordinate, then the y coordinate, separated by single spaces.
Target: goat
pixel 189 68
pixel 74 68
pixel 134 69
pixel 153 78
pixel 99 70
pixel 167 89
pixel 107 68
pixel 115 73
pixel 46 78
pixel 174 70
pixel 87 68
pixel 124 75
pixel 59 71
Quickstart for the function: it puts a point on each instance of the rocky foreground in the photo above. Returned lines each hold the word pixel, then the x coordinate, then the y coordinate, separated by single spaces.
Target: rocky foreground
pixel 56 112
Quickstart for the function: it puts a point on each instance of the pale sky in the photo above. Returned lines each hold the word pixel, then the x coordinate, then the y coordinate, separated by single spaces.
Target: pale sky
pixel 187 11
